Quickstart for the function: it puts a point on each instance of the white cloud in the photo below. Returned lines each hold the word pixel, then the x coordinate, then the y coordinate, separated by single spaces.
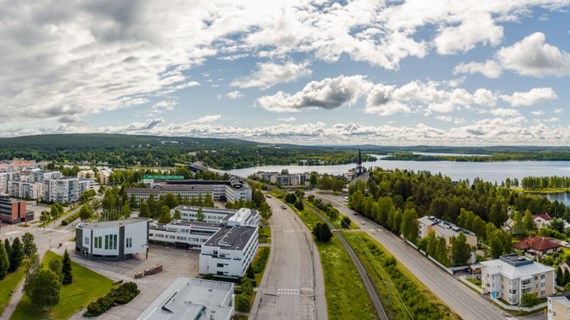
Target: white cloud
pixel 329 93
pixel 503 112
pixel 537 113
pixel 478 28
pixel 234 94
pixel 288 119
pixel 166 105
pixel 533 57
pixel 207 119
pixel 557 111
pixel 531 97
pixel 553 119
pixel 490 69
pixel 269 74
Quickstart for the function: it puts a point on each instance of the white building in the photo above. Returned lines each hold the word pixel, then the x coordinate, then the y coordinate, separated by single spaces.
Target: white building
pixel 510 276
pixel 65 190
pixel 5 178
pixel 230 191
pixel 559 307
pixel 116 240
pixel 190 235
pixel 25 190
pixel 231 217
pixel 191 298
pixel 229 252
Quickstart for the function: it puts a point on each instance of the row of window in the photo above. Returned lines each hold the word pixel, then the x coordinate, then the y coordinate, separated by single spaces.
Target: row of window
pixel 109 244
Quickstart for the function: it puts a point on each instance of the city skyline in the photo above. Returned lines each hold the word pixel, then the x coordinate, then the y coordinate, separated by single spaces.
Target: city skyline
pixel 387 73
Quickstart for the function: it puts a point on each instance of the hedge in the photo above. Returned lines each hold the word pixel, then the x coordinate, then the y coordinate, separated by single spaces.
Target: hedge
pixel 70 219
pixel 121 295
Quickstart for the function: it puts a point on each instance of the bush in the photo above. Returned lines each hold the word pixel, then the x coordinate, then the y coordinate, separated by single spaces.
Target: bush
pixel 529 299
pixel 322 232
pixel 121 295
pixel 70 219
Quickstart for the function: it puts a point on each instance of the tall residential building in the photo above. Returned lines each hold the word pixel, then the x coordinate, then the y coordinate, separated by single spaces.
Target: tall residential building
pixel 5 178
pixel 64 190
pixel 13 211
pixel 25 190
pixel 510 276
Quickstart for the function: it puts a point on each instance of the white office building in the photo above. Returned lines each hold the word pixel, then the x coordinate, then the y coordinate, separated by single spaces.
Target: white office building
pixel 184 234
pixel 231 217
pixel 229 252
pixel 114 240
pixel 195 299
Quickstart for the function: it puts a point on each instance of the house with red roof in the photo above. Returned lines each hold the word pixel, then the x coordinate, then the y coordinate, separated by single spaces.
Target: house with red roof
pixel 541 219
pixel 538 246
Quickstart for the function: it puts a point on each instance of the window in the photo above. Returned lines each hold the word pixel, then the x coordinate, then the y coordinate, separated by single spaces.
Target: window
pixel 106 242
pixel 114 242
pixel 129 242
pixel 542 276
pixel 220 265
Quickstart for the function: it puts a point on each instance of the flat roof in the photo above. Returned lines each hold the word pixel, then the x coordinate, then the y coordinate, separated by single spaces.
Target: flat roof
pixel 206 209
pixel 161 226
pixel 192 298
pixel 231 238
pixel 111 224
pixel 512 267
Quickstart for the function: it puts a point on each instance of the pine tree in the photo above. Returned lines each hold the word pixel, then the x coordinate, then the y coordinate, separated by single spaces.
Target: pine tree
pixel 66 269
pixel 560 277
pixel 16 255
pixel 4 261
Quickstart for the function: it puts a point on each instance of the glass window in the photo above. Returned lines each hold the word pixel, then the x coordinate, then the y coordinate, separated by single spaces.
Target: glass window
pixel 114 242
pixel 106 242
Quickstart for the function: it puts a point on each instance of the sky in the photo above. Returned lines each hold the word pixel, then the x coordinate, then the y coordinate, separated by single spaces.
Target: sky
pixel 420 72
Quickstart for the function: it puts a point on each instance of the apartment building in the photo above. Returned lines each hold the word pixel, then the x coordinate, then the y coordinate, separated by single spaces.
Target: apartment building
pixel 510 276
pixel 65 190
pixel 445 229
pixel 281 179
pixel 231 191
pixel 5 178
pixel 229 252
pixel 14 211
pixel 114 240
pixel 559 307
pixel 25 190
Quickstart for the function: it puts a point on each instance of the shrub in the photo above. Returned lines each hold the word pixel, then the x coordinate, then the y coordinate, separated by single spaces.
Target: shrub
pixel 70 219
pixel 121 295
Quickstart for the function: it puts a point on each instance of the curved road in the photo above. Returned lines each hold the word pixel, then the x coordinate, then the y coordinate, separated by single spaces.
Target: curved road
pixel 466 303
pixel 293 284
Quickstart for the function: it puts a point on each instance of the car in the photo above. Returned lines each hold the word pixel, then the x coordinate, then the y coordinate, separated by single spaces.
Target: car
pixel 267 196
pixel 283 207
pixel 363 222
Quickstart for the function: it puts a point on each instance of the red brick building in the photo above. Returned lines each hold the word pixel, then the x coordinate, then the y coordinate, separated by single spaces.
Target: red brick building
pixel 14 211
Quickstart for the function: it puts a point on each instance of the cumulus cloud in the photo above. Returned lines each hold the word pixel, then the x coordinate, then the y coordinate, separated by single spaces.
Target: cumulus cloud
pixel 234 94
pixel 288 119
pixel 531 97
pixel 534 57
pixel 329 93
pixel 269 74
pixel 490 69
pixel 207 119
pixel 504 112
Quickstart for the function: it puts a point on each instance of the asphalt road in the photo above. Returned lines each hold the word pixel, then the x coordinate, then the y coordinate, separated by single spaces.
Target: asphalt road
pixel 293 283
pixel 466 303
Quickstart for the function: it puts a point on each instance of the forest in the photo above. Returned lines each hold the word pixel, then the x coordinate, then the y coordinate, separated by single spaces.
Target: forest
pixel 541 155
pixel 152 151
pixel 396 198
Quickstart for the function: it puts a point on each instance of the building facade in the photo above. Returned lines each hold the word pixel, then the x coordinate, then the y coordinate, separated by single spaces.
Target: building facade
pixel 510 276
pixel 6 178
pixel 64 190
pixel 243 216
pixel 229 252
pixel 113 240
pixel 13 211
pixel 444 229
pixel 559 307
pixel 184 234
pixel 230 191
pixel 25 190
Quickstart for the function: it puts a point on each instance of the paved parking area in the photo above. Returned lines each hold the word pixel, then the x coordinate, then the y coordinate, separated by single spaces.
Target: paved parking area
pixel 176 263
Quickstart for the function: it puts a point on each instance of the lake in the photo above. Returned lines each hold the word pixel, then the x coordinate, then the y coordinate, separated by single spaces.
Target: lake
pixel 488 171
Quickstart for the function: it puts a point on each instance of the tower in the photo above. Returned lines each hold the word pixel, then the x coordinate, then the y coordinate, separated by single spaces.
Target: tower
pixel 359 169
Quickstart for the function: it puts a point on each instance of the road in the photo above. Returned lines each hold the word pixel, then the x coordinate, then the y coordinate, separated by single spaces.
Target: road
pixel 466 303
pixel 293 284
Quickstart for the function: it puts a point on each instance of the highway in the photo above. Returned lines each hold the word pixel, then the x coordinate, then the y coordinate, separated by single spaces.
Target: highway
pixel 293 284
pixel 466 303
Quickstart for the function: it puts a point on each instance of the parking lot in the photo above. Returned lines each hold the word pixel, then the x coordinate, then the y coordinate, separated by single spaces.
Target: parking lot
pixel 176 263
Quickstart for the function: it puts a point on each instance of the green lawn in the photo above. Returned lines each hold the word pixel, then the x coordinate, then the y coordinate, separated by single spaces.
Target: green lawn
pixel 260 262
pixel 345 293
pixel 264 234
pixel 86 287
pixel 9 284
pixel 407 294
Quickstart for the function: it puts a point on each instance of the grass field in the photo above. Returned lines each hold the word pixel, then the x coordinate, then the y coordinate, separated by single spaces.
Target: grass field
pixel 542 191
pixel 9 284
pixel 86 287
pixel 264 234
pixel 345 293
pixel 408 296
